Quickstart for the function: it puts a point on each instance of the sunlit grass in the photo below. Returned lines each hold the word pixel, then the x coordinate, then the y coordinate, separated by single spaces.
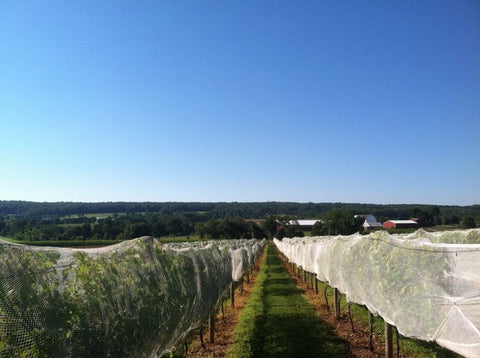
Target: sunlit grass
pixel 279 322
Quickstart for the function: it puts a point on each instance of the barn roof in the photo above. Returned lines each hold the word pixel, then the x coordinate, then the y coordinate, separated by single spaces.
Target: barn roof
pixel 403 221
pixel 302 222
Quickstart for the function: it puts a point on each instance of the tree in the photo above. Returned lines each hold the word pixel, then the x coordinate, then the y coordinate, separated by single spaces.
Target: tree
pixel 159 228
pixel 256 232
pixel 213 229
pixel 135 230
pixel 468 222
pixel 319 229
pixel 454 220
pixel 229 228
pixel 341 222
pixel 429 216
pixel 234 228
pixel 269 226
pixel 178 225
pixel 291 231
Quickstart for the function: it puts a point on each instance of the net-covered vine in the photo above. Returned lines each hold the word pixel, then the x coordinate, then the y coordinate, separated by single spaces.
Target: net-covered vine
pixel 135 299
pixel 425 284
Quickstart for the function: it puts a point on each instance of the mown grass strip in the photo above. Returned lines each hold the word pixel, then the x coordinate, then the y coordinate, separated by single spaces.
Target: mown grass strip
pixel 279 322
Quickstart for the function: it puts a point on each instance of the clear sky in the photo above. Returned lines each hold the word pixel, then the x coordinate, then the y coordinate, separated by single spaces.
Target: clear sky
pixel 310 101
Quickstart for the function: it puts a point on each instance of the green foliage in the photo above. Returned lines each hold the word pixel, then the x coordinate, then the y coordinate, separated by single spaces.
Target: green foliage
pixel 269 225
pixel 428 216
pixel 32 221
pixel 230 229
pixel 132 300
pixel 208 211
pixel 293 232
pixel 468 222
pixel 319 229
pixel 340 222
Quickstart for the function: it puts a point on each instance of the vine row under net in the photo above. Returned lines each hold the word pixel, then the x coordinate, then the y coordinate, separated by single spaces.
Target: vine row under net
pixel 135 299
pixel 425 284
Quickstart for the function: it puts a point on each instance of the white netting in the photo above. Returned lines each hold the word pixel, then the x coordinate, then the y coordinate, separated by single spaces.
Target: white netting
pixel 135 299
pixel 425 284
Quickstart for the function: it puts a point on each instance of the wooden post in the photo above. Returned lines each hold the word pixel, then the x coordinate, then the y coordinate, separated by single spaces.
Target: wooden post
pixel 350 316
pixel 201 336
pixel 336 303
pixel 315 283
pixel 326 298
pixel 388 341
pixel 232 294
pixel 211 328
pixel 370 324
pixel 397 336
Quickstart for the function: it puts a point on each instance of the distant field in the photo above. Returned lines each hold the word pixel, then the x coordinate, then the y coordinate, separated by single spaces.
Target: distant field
pixel 167 239
pixel 93 215
pixel 6 239
pixel 429 229
pixel 65 243
pixel 95 243
pixel 444 227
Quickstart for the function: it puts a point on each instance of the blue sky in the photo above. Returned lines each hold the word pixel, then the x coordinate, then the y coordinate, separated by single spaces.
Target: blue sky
pixel 345 101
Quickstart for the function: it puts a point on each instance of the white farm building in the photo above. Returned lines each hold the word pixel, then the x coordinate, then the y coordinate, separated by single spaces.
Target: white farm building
pixel 370 221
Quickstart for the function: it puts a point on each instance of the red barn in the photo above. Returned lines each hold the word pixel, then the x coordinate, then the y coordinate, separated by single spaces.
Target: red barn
pixel 399 224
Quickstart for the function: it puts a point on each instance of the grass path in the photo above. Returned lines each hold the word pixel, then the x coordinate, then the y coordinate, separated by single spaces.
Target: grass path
pixel 279 322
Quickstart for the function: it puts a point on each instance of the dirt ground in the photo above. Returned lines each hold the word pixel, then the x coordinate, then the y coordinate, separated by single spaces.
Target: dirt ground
pixel 224 326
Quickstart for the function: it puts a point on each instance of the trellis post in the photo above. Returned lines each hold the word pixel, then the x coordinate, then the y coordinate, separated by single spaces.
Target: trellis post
pixel 211 328
pixel 336 303
pixel 388 341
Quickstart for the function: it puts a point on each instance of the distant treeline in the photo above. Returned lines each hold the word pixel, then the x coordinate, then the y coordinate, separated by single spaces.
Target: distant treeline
pixel 33 221
pixel 215 210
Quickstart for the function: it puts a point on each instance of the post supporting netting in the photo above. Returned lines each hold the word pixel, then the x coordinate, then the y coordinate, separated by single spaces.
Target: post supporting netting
pixel 425 284
pixel 336 303
pixel 388 341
